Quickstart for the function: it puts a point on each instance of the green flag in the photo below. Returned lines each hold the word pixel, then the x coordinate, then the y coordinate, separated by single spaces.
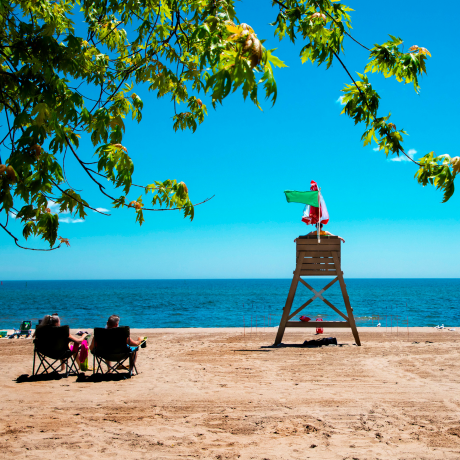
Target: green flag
pixel 310 198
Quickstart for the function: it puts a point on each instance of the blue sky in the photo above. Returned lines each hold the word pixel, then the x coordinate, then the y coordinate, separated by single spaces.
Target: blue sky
pixel 393 227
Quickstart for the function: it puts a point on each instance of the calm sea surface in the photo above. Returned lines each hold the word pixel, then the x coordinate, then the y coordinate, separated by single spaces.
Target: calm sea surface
pixel 226 303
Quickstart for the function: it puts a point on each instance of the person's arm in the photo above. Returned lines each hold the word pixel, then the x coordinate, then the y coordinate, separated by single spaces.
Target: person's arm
pixel 135 343
pixel 77 340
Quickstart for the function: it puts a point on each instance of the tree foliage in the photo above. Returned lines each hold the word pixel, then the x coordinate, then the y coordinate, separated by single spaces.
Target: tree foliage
pixel 58 84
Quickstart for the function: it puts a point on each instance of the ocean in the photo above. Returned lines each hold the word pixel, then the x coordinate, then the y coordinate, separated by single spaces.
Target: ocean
pixel 226 303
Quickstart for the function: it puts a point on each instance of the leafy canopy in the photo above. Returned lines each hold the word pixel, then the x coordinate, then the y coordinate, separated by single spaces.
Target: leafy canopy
pixel 57 85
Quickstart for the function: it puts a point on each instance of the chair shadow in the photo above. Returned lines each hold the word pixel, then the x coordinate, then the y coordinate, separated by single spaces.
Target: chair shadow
pixel 82 377
pixel 40 378
pixel 98 378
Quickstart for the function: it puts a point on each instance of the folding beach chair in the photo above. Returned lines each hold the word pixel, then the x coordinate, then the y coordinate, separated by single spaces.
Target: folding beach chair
pixel 25 329
pixel 52 347
pixel 111 346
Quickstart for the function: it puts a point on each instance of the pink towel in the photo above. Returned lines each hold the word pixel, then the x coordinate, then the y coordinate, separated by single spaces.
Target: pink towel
pixel 83 350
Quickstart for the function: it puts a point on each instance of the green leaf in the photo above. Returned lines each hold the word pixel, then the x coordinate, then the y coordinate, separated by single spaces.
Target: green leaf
pixel 42 112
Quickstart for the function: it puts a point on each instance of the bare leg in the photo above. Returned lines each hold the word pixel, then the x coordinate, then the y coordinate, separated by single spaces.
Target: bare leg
pixel 75 349
pixel 132 361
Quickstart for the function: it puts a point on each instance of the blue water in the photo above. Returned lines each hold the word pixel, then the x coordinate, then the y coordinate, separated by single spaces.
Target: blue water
pixel 226 303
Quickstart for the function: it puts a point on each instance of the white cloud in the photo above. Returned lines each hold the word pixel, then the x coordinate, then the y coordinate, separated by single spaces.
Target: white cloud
pixel 54 207
pixel 402 157
pixel 376 149
pixel 69 220
pixel 340 100
pixel 13 215
pixel 101 210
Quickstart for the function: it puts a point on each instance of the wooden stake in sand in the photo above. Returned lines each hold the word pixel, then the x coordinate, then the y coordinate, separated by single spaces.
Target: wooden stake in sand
pixel 315 258
pixel 407 319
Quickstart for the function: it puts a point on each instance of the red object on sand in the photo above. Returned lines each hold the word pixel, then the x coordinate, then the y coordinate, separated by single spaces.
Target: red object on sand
pixel 305 319
pixel 319 330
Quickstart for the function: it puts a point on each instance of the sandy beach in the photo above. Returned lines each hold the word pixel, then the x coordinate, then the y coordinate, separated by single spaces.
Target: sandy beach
pixel 225 394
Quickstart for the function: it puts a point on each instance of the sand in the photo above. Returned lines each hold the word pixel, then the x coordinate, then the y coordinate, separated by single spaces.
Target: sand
pixel 217 394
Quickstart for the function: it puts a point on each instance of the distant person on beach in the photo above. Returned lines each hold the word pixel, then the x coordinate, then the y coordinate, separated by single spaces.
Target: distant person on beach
pixel 322 233
pixel 113 322
pixel 77 341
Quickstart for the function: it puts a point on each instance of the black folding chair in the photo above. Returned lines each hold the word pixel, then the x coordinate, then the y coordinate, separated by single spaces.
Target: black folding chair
pixel 112 347
pixel 52 347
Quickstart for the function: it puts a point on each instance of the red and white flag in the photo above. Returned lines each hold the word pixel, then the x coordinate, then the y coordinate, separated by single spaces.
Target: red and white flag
pixel 311 214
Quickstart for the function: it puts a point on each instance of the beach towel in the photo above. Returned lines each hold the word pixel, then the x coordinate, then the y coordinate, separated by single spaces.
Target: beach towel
pixel 84 349
pixel 83 358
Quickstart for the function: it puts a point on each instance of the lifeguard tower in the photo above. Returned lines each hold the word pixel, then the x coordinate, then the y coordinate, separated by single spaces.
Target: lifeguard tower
pixel 317 258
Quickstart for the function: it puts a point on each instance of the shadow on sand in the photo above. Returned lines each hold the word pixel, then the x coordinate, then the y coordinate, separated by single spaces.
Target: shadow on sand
pixel 40 378
pixel 303 345
pixel 92 378
pixel 268 348
pixel 97 378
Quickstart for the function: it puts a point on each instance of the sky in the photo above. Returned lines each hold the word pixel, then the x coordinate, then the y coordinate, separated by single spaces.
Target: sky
pixel 246 158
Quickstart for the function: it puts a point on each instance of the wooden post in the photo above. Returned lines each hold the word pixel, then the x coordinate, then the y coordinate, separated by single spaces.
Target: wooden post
pixel 289 300
pixel 343 287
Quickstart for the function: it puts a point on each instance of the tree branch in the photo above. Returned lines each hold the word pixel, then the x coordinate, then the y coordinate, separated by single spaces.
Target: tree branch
pixel 23 247
pixel 365 99
pixel 78 201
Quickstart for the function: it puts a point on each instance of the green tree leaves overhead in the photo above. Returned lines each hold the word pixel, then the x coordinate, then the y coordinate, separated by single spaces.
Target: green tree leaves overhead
pixel 323 24
pixel 58 86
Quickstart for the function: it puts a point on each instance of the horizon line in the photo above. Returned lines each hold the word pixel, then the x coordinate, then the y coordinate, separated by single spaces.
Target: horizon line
pixel 221 279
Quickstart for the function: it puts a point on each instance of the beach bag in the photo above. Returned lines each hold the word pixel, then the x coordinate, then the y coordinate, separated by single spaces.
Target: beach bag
pixel 80 359
pixel 320 342
pixel 84 365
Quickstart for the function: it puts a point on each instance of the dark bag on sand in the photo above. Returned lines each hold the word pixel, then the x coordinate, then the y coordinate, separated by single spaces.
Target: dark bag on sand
pixel 320 342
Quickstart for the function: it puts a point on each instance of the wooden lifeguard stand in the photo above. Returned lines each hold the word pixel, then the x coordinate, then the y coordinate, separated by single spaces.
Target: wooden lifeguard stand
pixel 317 259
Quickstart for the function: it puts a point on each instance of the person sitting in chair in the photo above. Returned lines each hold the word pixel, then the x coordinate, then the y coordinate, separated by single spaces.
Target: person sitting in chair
pixel 322 233
pixel 54 320
pixel 113 322
pixel 45 321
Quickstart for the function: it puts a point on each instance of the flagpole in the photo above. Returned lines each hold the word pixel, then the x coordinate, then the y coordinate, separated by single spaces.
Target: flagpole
pixel 319 214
